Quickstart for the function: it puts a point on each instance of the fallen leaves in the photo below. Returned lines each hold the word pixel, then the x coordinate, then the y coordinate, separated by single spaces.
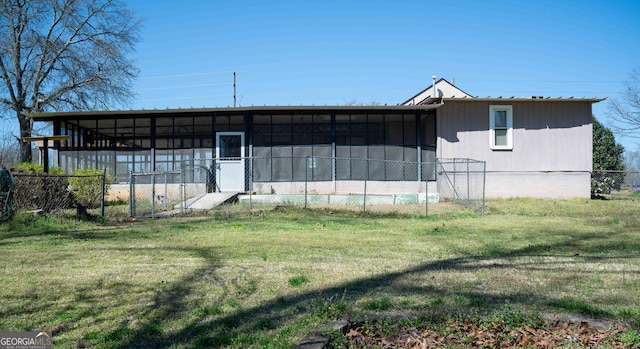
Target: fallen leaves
pixel 467 334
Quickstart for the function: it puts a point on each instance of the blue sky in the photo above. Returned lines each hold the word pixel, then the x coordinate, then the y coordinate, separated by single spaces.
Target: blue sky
pixel 337 52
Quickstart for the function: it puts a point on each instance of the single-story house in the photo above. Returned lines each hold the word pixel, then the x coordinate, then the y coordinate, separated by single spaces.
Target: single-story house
pixel 532 146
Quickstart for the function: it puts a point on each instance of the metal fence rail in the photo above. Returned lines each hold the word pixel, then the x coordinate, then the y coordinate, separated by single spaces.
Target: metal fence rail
pixel 310 181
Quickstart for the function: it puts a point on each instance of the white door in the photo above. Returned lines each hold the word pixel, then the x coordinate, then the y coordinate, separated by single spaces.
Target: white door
pixel 230 169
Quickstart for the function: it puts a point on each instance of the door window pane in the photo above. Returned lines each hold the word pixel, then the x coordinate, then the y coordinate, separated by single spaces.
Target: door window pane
pixel 230 146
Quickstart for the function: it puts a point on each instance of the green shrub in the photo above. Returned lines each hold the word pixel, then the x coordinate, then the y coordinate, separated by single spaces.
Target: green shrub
pixel 86 186
pixel 33 168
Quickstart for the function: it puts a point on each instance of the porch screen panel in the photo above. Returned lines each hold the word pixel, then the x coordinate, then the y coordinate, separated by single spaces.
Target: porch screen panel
pixel 359 151
pixel 359 162
pixel 321 129
pixel 182 158
pixel 281 151
pixel 164 133
pixel 428 145
pixel 410 135
pixel 322 148
pixel 236 123
pixel 164 160
pixel 393 130
pixel 300 163
pixel 323 163
pixel 376 162
pixel 343 164
pixel 124 163
pixel 68 160
pixel 203 127
pixel 375 149
pixel 142 160
pixel 183 132
pixel 282 169
pixel 343 147
pixel 394 166
pixel 281 130
pixel 410 164
pixel 428 164
pixel 261 164
pixel 142 137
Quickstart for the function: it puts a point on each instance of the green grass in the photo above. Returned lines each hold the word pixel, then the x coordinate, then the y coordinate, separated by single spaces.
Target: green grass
pixel 238 278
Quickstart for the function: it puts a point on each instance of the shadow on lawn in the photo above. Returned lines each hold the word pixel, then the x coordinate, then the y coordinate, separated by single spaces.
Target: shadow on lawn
pixel 26 226
pixel 223 329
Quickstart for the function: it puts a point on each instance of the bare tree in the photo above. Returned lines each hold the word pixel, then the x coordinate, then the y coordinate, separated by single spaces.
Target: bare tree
pixel 9 150
pixel 354 102
pixel 58 55
pixel 626 111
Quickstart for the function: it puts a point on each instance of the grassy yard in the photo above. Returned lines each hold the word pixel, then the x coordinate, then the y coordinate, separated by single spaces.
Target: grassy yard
pixel 265 278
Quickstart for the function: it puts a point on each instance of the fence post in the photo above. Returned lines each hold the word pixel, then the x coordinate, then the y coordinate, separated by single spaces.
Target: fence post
pixel 153 194
pixel 132 195
pixel 468 183
pixel 366 178
pixel 251 183
pixel 306 180
pixel 104 180
pixel 183 192
pixel 164 199
pixel 426 190
pixel 484 181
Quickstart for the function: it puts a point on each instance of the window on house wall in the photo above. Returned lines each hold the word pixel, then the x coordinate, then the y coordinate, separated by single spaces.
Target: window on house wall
pixel 501 127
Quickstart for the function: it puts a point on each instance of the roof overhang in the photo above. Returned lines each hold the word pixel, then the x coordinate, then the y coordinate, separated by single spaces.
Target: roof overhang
pixel 525 99
pixel 229 110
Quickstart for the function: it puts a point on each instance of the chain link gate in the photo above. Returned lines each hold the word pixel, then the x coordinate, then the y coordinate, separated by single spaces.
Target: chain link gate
pixel 151 193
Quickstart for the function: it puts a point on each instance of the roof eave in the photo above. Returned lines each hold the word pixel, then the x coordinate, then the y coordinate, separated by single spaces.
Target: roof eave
pixel 528 99
pixel 236 110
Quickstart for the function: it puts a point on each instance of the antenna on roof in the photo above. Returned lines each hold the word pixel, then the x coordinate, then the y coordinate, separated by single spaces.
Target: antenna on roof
pixel 234 89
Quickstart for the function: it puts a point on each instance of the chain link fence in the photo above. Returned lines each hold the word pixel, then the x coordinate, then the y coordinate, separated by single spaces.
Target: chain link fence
pixel 311 181
pixel 152 193
pixel 57 194
pixel 608 182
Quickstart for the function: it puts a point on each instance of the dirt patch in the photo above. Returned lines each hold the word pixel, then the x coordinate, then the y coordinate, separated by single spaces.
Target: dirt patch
pixel 555 331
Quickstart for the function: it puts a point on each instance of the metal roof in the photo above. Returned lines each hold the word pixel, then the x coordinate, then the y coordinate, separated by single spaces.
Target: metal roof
pixel 528 99
pixel 304 109
pixel 233 110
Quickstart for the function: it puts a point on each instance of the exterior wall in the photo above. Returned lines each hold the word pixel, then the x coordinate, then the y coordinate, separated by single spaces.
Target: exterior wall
pixel 552 145
pixel 143 191
pixel 344 187
pixel 547 185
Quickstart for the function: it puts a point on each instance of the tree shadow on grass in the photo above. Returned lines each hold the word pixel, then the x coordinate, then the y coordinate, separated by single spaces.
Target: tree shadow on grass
pixel 221 329
pixel 49 226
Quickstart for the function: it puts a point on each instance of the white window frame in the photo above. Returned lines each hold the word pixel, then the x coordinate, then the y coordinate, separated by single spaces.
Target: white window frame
pixel 509 128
